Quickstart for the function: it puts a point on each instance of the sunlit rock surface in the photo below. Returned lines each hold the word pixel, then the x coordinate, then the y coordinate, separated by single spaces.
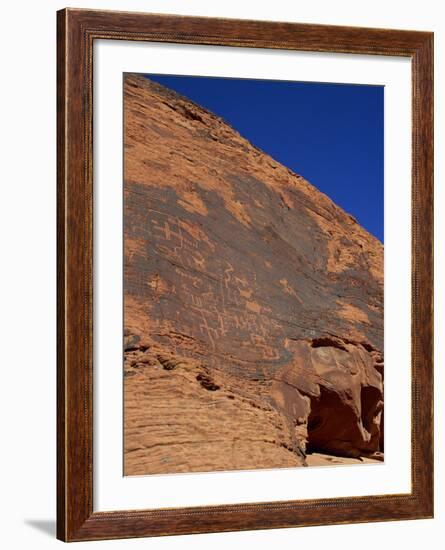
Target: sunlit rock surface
pixel 253 305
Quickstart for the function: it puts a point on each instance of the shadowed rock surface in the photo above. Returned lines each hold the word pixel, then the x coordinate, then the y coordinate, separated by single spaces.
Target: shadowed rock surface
pixel 253 305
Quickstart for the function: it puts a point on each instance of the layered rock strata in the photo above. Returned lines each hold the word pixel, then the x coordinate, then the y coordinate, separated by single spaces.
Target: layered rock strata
pixel 253 305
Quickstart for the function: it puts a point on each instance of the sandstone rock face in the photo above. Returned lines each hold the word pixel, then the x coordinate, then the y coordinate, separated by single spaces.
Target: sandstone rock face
pixel 253 305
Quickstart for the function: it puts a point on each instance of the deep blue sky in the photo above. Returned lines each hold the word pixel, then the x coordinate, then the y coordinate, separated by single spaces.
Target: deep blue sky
pixel 332 134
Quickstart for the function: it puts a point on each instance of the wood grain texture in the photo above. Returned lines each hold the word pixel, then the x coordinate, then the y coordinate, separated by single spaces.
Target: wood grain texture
pixel 77 30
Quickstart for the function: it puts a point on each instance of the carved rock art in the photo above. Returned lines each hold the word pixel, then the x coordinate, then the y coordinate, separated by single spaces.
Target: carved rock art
pixel 253 305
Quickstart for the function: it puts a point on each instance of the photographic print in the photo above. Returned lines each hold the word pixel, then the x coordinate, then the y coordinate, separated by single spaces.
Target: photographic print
pixel 253 274
pixel 229 336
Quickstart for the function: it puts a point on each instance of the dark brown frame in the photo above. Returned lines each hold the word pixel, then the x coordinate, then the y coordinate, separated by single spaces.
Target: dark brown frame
pixel 77 30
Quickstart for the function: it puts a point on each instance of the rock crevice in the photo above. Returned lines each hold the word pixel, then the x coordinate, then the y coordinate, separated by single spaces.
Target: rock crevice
pixel 253 305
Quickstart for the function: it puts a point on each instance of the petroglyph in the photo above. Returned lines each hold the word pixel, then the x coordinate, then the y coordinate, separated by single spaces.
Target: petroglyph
pixel 253 305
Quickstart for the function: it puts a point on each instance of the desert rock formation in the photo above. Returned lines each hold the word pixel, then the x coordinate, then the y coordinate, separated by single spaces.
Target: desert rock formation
pixel 253 305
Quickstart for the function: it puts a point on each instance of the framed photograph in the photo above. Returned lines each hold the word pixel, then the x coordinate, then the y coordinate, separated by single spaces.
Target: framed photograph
pixel 245 229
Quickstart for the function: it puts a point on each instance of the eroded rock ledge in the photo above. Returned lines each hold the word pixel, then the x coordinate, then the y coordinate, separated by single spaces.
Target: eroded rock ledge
pixel 253 304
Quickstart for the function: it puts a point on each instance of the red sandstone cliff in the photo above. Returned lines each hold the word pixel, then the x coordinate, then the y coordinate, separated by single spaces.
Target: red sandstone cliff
pixel 253 304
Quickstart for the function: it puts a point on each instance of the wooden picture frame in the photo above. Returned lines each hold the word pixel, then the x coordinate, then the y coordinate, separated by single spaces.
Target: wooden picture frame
pixel 77 31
